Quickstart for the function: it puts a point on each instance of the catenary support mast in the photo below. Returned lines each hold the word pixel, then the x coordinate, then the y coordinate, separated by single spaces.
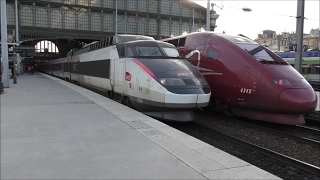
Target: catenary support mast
pixel 299 35
pixel 4 44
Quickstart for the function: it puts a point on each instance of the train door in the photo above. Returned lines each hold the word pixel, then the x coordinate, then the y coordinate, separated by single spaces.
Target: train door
pixel 112 71
pixel 246 94
pixel 144 85
pixel 69 66
pixel 118 72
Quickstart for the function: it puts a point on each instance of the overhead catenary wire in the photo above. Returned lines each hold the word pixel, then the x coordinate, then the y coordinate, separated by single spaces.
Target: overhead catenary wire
pixel 234 7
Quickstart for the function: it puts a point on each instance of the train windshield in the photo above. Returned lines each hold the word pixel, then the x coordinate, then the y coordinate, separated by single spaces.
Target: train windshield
pixel 148 51
pixel 257 51
pixel 252 47
pixel 153 51
pixel 171 52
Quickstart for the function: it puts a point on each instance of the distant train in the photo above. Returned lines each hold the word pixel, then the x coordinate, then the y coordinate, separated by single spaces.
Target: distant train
pixel 247 79
pixel 139 72
pixel 310 68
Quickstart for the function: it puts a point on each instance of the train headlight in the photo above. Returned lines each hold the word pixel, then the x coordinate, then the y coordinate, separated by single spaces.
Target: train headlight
pixel 172 81
pixel 282 82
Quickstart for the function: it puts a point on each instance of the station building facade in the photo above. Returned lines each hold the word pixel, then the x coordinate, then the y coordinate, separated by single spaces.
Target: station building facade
pixel 97 19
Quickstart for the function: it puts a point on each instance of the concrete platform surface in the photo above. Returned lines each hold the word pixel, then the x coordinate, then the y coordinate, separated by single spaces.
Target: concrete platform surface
pixel 52 129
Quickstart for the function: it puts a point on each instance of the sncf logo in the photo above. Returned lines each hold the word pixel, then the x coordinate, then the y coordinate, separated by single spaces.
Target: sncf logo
pixel 128 76
pixel 182 74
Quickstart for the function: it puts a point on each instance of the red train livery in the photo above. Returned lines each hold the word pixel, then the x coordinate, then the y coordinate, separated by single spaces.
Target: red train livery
pixel 247 79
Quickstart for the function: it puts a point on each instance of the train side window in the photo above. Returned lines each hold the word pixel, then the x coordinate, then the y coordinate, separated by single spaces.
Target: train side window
pixel 317 69
pixel 182 41
pixel 130 52
pixel 212 54
pixel 175 42
pixel 122 52
pixel 107 43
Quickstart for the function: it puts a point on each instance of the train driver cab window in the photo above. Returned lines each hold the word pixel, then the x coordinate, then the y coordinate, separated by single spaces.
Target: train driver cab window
pixel 148 51
pixel 130 52
pixel 121 51
pixel 171 52
pixel 257 51
pixel 212 54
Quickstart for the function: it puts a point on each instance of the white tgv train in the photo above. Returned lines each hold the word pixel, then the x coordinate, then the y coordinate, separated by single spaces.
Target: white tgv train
pixel 139 72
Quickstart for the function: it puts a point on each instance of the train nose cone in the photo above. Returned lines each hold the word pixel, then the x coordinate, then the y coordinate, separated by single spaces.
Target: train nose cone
pixel 297 101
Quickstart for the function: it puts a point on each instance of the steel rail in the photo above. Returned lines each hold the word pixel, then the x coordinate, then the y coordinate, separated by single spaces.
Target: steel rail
pixel 294 162
pixel 307 129
pixel 287 135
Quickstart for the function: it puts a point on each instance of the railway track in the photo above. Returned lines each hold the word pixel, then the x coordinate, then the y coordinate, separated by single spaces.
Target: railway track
pixel 198 131
pixel 294 162
pixel 312 138
pixel 313 120
pixel 308 129
pixel 298 143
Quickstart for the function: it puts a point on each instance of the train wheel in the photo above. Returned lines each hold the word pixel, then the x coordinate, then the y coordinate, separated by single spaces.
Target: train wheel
pixel 126 101
pixel 218 105
pixel 221 107
pixel 111 95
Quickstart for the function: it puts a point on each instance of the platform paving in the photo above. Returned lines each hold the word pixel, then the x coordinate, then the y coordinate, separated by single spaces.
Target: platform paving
pixel 52 129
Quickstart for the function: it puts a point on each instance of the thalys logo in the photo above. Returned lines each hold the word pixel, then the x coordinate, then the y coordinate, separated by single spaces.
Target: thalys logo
pixel 128 76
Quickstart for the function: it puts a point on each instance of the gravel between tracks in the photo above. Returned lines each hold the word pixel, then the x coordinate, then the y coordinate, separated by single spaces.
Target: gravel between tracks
pixel 221 123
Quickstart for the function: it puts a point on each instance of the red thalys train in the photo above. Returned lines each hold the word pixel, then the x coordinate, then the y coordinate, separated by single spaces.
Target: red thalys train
pixel 247 79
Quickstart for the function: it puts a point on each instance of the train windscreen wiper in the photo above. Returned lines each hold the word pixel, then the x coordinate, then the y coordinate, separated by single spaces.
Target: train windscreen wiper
pixel 255 50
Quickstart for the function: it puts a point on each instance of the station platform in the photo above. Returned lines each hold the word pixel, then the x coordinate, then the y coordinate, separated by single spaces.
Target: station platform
pixel 52 129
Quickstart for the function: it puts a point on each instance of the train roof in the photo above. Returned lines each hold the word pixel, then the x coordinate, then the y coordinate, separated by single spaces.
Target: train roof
pixel 126 38
pixel 233 38
pixel 146 42
pixel 113 40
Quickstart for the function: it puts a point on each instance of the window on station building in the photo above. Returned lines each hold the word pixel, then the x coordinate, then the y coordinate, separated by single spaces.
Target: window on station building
pixel 142 28
pixel 56 19
pixel 96 3
pixel 132 5
pixel 175 9
pixel 132 26
pixel 27 18
pixel 175 29
pixel 95 22
pixel 185 28
pixel 153 6
pixel 142 5
pixel 69 20
pixel 10 15
pixel 121 24
pixel 152 29
pixel 165 7
pixel 164 28
pixel 46 47
pixel 109 24
pixel 83 22
pixel 185 12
